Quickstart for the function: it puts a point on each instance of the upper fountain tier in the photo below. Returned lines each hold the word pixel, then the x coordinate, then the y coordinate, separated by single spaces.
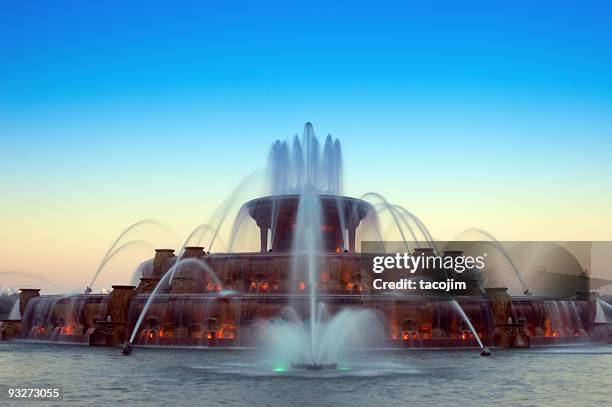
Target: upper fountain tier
pixel 277 216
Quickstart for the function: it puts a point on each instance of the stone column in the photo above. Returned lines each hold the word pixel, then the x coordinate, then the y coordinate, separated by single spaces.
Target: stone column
pixel 118 307
pixel 26 294
pixel 146 285
pixel 119 301
pixel 352 231
pixel 501 303
pixel 160 262
pixel 193 251
pixel 506 334
pixel 160 267
pixel 263 238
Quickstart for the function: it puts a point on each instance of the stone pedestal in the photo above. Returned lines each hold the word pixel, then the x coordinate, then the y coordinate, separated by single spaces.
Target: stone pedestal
pixel 161 262
pixel 115 330
pixel 147 285
pixel 501 303
pixel 506 334
pixel 193 251
pixel 26 294
pixel 119 301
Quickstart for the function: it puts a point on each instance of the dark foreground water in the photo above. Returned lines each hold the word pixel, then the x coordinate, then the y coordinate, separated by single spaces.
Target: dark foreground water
pixel 90 376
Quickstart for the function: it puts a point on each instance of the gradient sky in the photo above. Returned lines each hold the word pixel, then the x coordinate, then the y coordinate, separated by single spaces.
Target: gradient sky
pixel 468 113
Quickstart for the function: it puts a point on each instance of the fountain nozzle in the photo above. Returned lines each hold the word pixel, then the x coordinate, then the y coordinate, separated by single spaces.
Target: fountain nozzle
pixel 127 348
pixel 485 352
pixel 314 366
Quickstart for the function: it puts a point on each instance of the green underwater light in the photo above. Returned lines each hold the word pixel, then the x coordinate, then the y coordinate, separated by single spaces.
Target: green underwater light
pixel 280 369
pixel 343 368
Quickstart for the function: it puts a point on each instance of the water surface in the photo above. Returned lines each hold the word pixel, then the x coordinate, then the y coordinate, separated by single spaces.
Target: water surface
pixel 209 377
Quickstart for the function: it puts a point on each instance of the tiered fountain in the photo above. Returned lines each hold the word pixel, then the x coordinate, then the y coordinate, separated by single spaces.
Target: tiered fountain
pixel 305 291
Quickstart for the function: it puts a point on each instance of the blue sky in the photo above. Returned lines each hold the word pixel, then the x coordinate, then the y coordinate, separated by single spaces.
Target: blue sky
pixel 62 53
pixel 507 105
pixel 231 75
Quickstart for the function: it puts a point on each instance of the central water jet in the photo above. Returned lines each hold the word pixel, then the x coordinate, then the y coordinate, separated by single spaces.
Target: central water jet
pixel 307 238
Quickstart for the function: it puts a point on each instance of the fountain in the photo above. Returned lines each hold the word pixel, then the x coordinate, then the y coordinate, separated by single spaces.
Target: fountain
pixel 299 287
pixel 15 314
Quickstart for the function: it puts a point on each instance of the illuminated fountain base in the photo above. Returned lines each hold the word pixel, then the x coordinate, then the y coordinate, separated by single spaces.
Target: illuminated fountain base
pixel 243 320
pixel 250 290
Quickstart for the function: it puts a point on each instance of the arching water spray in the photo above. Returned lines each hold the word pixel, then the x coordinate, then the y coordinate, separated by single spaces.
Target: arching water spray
pixel 15 313
pixel 116 252
pixel 420 225
pixel 495 243
pixel 383 207
pixel 393 213
pixel 168 277
pixel 21 277
pixel 224 209
pixel 467 321
pixel 202 229
pixel 127 230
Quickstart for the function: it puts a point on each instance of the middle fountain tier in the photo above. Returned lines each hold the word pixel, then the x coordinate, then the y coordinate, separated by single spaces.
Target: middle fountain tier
pixel 276 217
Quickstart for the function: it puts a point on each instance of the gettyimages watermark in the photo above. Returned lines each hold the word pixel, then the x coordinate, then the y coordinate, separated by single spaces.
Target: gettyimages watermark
pixel 413 262
pixel 559 269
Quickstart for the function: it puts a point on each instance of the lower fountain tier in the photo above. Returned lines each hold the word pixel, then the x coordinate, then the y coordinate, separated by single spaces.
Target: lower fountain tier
pixel 241 319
